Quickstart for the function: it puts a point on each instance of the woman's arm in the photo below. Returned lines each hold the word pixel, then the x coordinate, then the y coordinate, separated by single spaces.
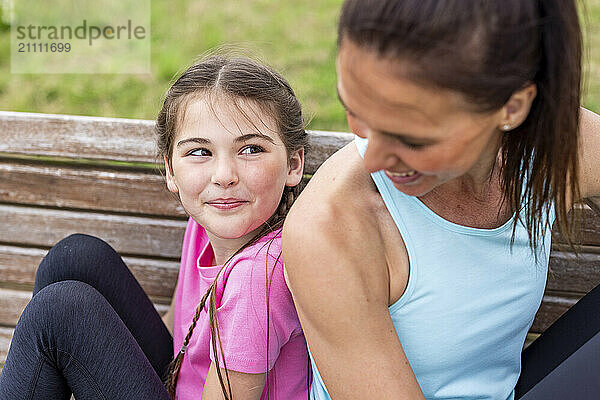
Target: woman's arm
pixel 337 271
pixel 589 154
pixel 243 386
pixel 346 321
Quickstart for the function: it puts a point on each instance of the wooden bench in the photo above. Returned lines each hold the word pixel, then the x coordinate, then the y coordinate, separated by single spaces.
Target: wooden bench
pixel 62 174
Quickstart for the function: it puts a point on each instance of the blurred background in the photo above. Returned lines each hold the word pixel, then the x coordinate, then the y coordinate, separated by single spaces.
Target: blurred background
pixel 295 37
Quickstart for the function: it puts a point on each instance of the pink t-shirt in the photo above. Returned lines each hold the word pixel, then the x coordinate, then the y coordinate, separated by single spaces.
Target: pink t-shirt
pixel 242 315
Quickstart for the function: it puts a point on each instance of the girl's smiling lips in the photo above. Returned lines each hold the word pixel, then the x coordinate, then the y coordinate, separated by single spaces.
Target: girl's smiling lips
pixel 226 204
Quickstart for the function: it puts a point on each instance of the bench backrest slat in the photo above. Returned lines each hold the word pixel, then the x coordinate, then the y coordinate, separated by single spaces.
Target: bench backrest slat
pixel 32 226
pixel 111 139
pixel 18 266
pixel 87 187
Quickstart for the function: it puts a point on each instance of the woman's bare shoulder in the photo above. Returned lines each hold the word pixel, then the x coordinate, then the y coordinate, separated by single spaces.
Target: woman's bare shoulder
pixel 334 222
pixel 340 182
pixel 340 193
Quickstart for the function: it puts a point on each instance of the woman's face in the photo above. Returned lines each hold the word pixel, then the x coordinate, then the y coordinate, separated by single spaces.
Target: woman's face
pixel 421 137
pixel 230 170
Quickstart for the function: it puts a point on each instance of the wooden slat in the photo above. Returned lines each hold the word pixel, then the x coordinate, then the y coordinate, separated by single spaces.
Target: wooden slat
pixel 593 203
pixel 587 223
pixel 157 277
pixel 37 227
pixel 531 337
pixel 12 304
pixel 322 146
pixel 5 337
pixel 97 189
pixel 114 139
pixel 589 226
pixel 571 274
pixel 77 137
pixel 87 188
pixel 553 306
pixel 6 334
pixel 18 265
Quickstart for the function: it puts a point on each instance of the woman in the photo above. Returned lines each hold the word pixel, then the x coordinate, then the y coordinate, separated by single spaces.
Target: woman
pixel 426 255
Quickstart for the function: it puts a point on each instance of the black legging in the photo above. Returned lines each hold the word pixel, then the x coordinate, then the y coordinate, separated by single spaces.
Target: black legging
pixel 89 330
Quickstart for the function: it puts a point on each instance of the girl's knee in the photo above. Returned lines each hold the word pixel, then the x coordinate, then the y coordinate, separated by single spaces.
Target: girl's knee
pixel 71 257
pixel 56 306
pixel 76 246
pixel 61 316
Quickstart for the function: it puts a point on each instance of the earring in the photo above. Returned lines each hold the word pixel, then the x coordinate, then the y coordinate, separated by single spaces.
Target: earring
pixel 506 127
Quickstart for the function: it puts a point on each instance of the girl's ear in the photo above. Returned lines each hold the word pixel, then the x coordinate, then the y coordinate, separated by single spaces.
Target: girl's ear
pixel 171 184
pixel 296 168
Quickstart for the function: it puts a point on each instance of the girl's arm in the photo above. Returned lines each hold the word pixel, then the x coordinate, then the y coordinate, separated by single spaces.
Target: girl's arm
pixel 243 386
pixel 589 154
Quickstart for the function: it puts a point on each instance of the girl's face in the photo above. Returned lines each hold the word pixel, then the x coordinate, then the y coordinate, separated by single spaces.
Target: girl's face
pixel 421 137
pixel 230 170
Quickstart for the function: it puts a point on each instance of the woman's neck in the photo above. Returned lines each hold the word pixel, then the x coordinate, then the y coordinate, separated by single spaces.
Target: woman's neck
pixel 474 199
pixel 485 174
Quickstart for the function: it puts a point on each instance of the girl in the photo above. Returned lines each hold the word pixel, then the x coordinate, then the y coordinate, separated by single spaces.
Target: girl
pixel 425 255
pixel 232 137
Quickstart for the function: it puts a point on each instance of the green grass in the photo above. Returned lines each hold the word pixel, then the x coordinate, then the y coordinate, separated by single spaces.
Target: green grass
pixel 295 37
pixel 591 29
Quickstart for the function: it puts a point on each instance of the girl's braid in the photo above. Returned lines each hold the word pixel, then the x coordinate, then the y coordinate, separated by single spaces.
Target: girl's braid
pixel 175 365
pixel 275 222
pixel 287 199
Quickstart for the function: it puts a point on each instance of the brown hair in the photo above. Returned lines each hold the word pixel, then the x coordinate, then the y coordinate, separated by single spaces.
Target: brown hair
pixel 233 79
pixel 487 50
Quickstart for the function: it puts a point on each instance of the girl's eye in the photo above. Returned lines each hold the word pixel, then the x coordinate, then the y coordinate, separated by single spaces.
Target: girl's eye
pixel 252 149
pixel 200 153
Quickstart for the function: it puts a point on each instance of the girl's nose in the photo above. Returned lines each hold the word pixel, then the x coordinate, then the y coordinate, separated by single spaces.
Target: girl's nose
pixel 378 155
pixel 225 173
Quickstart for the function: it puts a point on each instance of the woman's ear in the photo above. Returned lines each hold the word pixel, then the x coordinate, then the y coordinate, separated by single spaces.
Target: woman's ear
pixel 171 184
pixel 517 108
pixel 296 168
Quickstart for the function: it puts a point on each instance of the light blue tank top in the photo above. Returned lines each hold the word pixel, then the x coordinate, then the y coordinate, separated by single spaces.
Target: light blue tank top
pixel 468 304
